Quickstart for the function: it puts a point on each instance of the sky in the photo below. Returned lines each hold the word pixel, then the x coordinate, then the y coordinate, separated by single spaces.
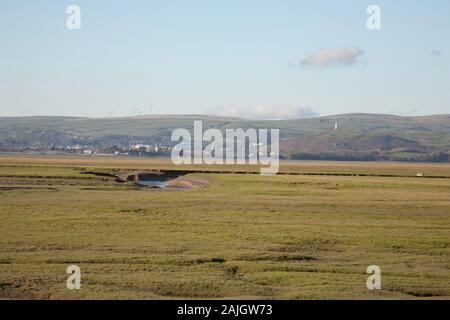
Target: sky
pixel 259 59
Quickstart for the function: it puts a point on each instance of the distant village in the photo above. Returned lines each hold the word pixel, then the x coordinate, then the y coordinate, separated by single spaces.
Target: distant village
pixel 117 150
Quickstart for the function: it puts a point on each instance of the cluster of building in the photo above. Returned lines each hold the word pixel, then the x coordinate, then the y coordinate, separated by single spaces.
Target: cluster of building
pixel 145 148
pixel 78 149
pixel 132 149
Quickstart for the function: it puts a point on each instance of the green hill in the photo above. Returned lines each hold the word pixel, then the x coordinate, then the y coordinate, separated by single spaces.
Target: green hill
pixel 358 136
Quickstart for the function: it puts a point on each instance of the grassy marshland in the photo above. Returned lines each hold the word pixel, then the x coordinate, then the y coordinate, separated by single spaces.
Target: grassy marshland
pixel 242 236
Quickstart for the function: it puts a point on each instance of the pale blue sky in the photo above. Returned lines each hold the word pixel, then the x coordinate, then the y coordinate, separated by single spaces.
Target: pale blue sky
pixel 183 56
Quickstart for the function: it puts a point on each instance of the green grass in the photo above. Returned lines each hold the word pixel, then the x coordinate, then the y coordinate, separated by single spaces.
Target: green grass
pixel 243 236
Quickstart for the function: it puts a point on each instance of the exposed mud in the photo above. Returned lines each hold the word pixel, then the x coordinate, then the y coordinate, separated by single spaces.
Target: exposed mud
pixel 186 182
pixel 157 179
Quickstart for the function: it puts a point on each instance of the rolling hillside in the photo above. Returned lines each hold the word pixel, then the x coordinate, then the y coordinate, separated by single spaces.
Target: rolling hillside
pixel 358 136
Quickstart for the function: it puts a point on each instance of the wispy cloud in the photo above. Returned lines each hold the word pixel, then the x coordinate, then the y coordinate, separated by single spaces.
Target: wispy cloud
pixel 436 53
pixel 331 57
pixel 263 112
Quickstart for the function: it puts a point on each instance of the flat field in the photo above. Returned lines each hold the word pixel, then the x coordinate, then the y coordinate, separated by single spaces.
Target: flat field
pixel 309 233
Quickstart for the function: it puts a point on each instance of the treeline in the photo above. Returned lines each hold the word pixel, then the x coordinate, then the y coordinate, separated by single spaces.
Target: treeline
pixel 368 156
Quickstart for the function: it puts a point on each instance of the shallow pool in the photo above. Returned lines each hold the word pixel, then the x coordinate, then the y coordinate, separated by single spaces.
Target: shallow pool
pixel 152 183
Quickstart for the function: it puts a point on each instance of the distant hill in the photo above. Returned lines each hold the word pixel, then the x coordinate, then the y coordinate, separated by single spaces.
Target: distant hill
pixel 357 137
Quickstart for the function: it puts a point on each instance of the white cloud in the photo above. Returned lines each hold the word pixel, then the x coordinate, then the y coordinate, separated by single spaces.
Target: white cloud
pixel 263 112
pixel 326 58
